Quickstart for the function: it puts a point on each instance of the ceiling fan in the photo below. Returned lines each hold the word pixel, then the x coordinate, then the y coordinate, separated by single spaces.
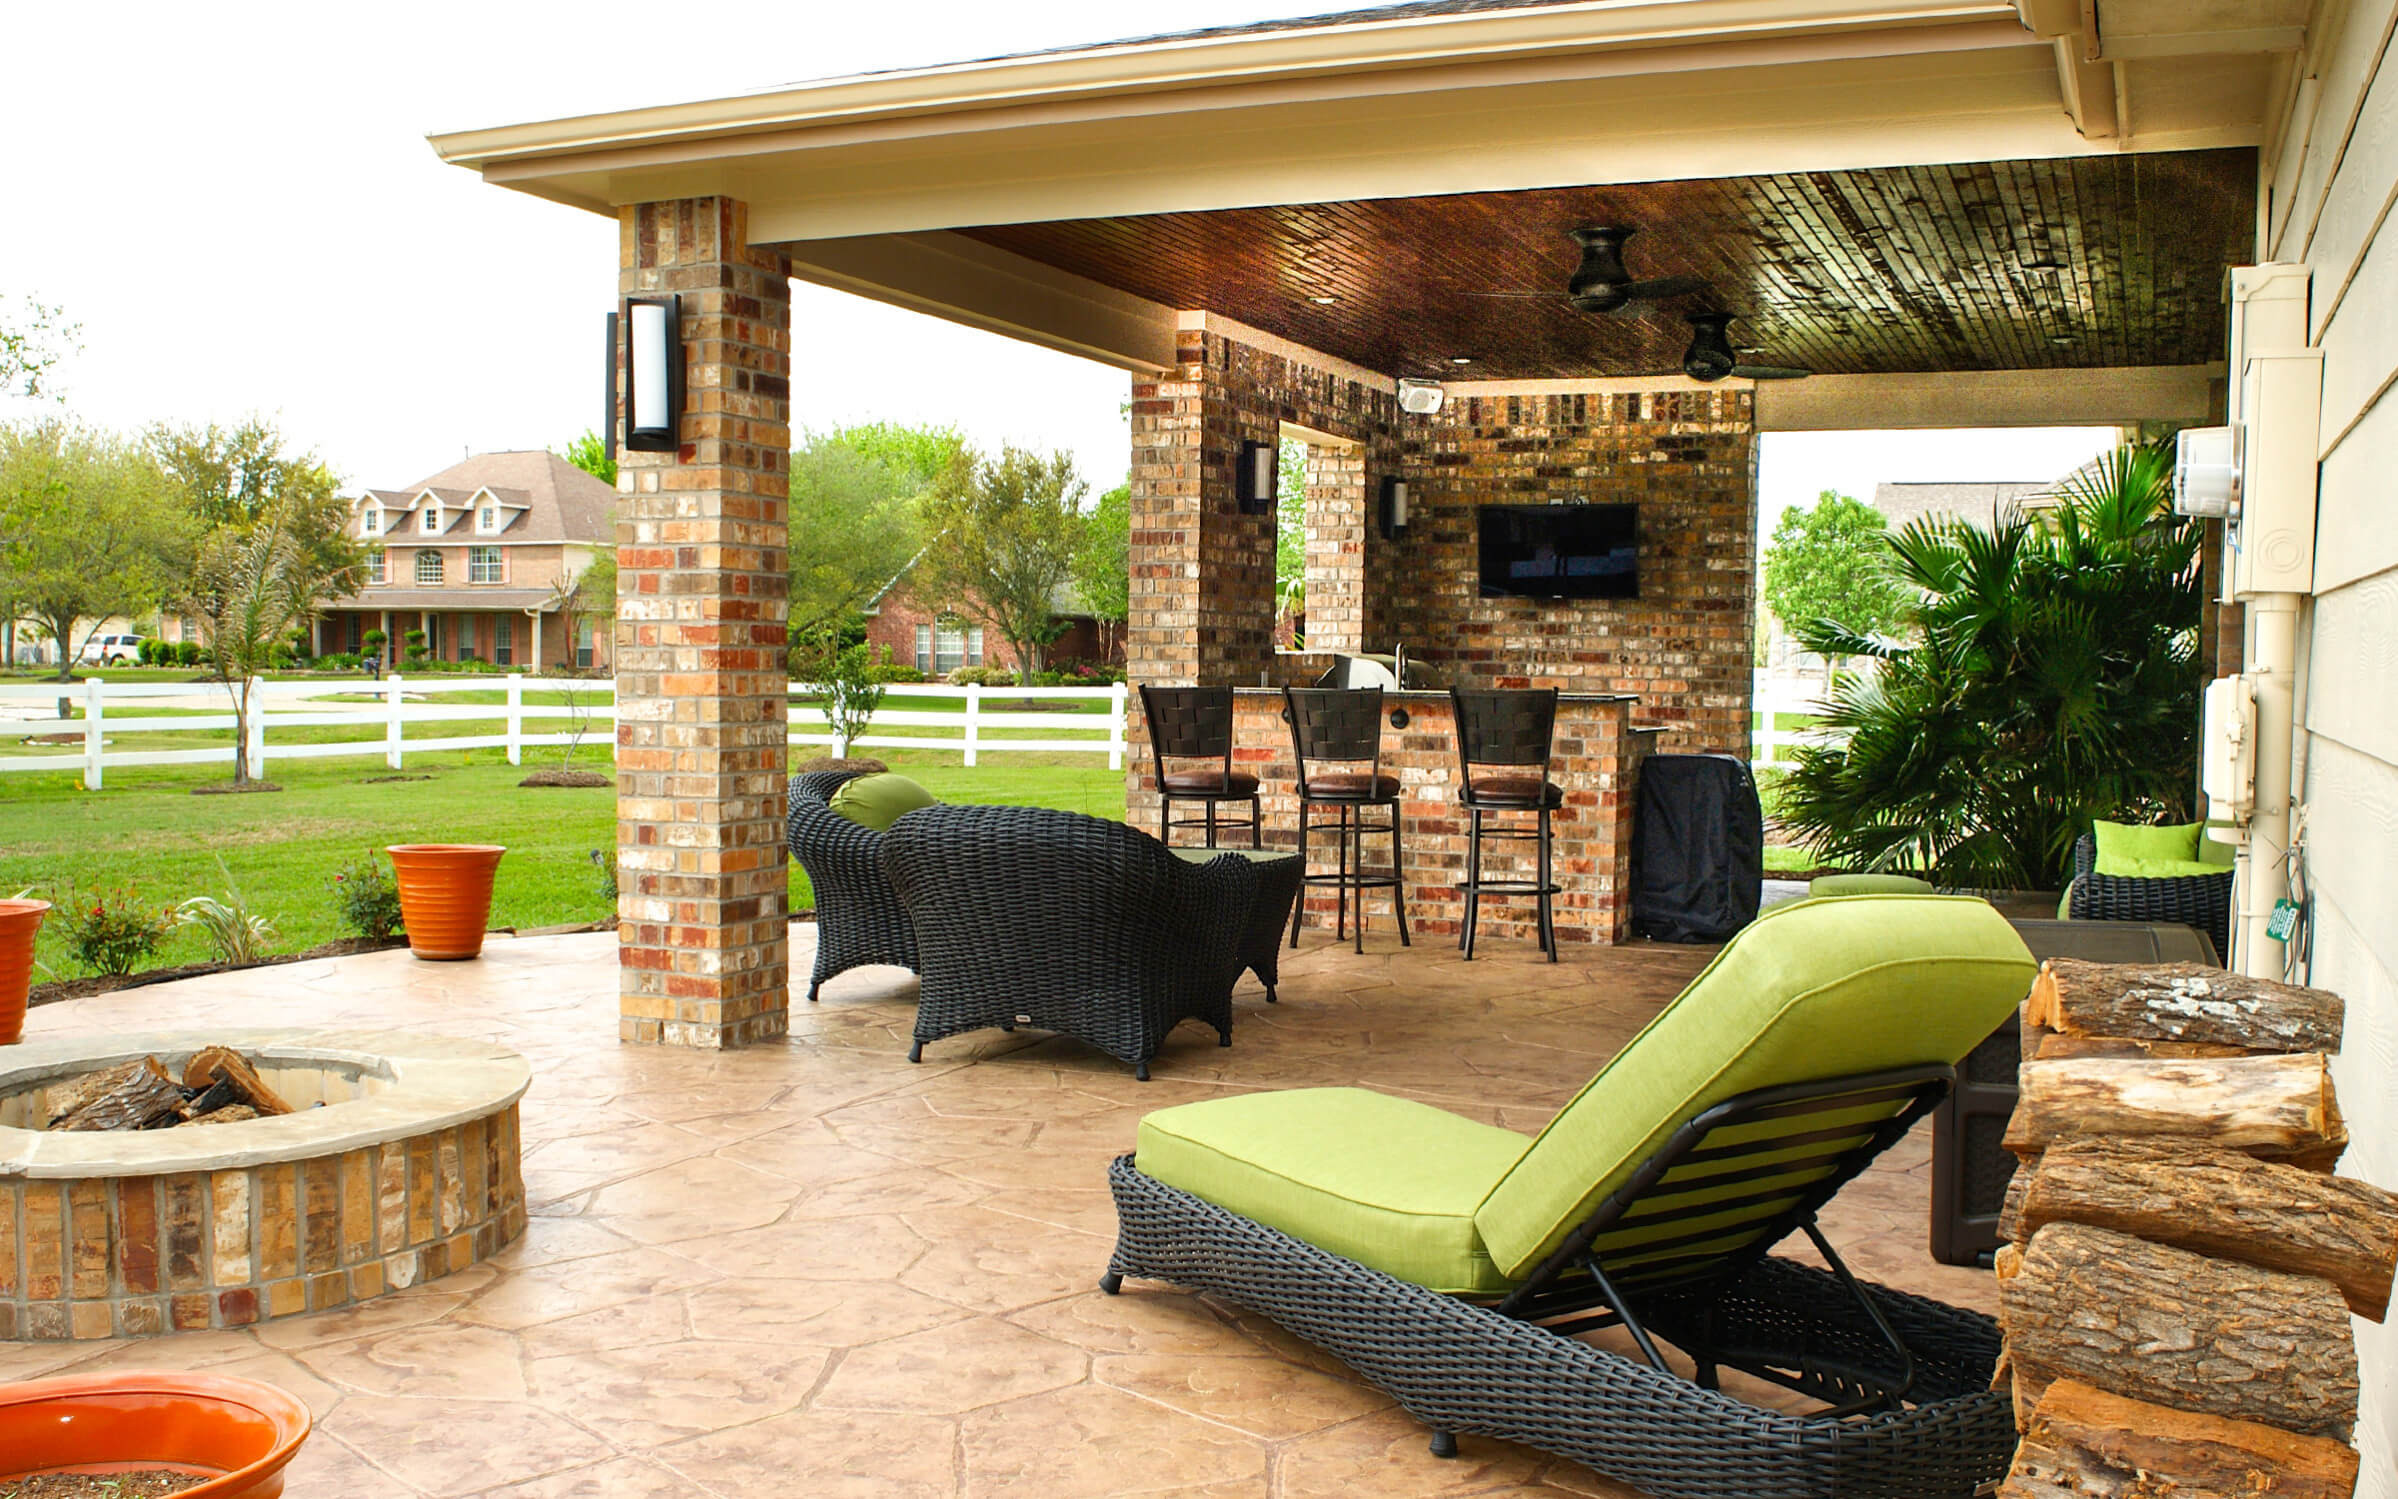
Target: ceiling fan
pixel 1710 356
pixel 1602 283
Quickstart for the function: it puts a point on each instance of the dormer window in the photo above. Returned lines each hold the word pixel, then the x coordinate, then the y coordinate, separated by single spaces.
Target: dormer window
pixel 370 521
pixel 428 520
pixel 487 520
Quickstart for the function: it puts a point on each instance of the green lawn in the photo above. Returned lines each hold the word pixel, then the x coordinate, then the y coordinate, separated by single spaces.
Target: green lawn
pixel 148 832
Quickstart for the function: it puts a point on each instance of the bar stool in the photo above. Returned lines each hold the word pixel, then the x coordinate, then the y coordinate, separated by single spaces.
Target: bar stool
pixel 1343 727
pixel 1500 737
pixel 1195 723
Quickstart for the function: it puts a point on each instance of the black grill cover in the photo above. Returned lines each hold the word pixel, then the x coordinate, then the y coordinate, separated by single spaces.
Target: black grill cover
pixel 1698 848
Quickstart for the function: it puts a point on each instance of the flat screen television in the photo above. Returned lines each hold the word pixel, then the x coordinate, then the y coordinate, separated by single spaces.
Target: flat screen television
pixel 1561 551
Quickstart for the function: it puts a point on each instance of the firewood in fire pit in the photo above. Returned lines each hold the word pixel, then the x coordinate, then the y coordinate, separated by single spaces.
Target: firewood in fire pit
pixel 232 1113
pixel 136 1095
pixel 211 1063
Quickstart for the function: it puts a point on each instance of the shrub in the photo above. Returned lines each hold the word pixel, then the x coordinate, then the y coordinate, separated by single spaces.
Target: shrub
pixel 337 661
pixel 604 860
pixel 851 694
pixel 110 931
pixel 147 652
pixel 366 899
pixel 982 676
pixel 892 672
pixel 373 641
pixel 237 935
pixel 187 653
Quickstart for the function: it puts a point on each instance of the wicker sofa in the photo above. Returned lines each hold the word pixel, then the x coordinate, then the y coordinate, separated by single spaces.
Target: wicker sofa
pixel 1028 916
pixel 2199 900
pixel 858 918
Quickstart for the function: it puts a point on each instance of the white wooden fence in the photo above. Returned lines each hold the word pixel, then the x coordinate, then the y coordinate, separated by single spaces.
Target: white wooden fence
pixel 533 712
pixel 1771 698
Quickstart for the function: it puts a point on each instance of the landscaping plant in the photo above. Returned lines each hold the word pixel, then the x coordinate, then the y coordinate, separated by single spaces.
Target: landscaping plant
pixel 110 932
pixel 367 898
pixel 852 691
pixel 2046 675
pixel 234 933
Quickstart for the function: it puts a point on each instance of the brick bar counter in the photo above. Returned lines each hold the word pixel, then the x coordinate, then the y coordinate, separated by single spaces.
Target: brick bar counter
pixel 1595 758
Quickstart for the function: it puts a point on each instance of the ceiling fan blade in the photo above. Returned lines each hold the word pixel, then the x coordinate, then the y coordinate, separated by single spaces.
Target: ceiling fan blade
pixel 1550 294
pixel 1659 288
pixel 1768 372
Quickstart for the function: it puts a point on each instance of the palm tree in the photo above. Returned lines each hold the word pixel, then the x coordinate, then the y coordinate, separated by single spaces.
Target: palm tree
pixel 2046 675
pixel 250 588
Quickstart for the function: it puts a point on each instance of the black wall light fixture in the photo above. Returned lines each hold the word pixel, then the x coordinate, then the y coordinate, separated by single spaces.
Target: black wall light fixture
pixel 1257 478
pixel 1395 500
pixel 653 365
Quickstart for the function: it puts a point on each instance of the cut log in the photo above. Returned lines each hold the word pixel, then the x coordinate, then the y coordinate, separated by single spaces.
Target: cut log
pixel 2053 1046
pixel 2029 1034
pixel 232 1113
pixel 211 1062
pixel 2010 1212
pixel 2266 1106
pixel 2223 1204
pixel 2182 1002
pixel 139 1094
pixel 2084 1443
pixel 65 1098
pixel 2175 1328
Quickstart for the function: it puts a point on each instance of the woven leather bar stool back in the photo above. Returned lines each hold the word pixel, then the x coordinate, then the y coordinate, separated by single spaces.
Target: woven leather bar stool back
pixel 1336 742
pixel 1503 744
pixel 1192 727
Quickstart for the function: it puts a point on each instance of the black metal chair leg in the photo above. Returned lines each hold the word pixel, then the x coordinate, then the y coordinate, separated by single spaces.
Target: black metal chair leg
pixel 1444 1443
pixel 1165 819
pixel 1398 880
pixel 1211 822
pixel 1473 883
pixel 1256 824
pixel 1357 876
pixel 1548 922
pixel 1340 870
pixel 1299 906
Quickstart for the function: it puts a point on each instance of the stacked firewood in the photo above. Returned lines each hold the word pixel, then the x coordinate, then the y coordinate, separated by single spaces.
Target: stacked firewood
pixel 2181 1263
pixel 217 1086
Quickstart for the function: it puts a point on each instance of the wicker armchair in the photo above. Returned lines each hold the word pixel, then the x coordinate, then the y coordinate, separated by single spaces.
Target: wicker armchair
pixel 2199 900
pixel 1027 916
pixel 858 918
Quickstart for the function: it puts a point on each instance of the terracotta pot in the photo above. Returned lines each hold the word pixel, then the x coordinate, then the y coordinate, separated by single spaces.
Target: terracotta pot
pixel 445 896
pixel 237 1433
pixel 19 920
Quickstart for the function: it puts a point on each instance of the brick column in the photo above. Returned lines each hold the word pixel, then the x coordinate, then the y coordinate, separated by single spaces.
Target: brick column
pixel 702 602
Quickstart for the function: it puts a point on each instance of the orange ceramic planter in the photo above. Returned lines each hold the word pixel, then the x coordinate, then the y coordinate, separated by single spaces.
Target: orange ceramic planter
pixel 445 896
pixel 235 1433
pixel 19 920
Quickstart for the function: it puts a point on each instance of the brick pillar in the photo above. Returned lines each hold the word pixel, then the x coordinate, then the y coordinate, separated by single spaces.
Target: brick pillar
pixel 702 602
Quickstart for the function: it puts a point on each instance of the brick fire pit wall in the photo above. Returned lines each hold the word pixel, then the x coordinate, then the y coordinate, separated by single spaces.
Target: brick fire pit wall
pixel 410 1170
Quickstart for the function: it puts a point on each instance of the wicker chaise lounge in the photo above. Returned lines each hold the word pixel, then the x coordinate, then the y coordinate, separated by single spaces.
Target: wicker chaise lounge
pixel 1451 1262
pixel 858 919
pixel 1027 916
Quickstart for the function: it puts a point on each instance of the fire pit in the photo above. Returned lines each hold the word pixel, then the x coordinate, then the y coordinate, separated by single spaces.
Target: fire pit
pixel 398 1163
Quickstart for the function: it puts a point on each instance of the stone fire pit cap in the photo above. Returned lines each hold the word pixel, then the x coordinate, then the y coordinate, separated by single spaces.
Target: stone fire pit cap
pixel 434 1082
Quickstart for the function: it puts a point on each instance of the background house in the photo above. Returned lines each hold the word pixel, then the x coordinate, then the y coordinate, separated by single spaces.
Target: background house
pixel 475 557
pixel 909 630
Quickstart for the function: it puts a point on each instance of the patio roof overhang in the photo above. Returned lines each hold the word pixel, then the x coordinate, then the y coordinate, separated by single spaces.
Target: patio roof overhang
pixel 1412 160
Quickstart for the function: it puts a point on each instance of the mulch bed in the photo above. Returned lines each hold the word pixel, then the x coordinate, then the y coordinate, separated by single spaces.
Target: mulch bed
pixel 142 1483
pixel 234 788
pixel 567 778
pixel 85 988
pixel 51 739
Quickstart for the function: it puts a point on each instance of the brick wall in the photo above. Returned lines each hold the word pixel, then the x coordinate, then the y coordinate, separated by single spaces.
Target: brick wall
pixel 1687 458
pixel 891 629
pixel 702 599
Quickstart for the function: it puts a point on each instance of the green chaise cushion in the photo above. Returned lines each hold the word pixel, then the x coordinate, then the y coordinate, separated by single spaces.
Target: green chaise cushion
pixel 1817 989
pixel 2122 845
pixel 877 801
pixel 1380 1180
pixel 1867 884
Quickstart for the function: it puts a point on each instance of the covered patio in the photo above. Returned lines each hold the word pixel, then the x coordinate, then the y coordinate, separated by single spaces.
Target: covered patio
pixel 812 1268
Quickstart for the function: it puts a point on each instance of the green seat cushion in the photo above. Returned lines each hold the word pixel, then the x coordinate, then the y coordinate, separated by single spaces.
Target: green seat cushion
pixel 2164 869
pixel 1383 1181
pixel 1812 990
pixel 2121 844
pixel 1867 884
pixel 878 801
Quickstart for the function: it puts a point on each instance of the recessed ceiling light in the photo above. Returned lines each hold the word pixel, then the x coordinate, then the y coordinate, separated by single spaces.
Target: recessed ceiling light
pixel 1461 359
pixel 2061 338
pixel 1323 301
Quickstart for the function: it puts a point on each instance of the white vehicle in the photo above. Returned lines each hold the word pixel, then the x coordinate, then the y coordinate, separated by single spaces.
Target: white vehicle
pixel 110 650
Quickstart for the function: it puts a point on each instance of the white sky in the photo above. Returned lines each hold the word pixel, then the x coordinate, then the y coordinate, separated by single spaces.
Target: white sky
pixel 237 203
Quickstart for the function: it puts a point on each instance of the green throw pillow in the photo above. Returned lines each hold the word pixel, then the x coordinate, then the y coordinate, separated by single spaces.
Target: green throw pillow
pixel 2121 844
pixel 2215 853
pixel 878 801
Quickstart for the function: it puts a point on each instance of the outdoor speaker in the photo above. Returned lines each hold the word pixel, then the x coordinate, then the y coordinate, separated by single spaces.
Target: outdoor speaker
pixel 1421 397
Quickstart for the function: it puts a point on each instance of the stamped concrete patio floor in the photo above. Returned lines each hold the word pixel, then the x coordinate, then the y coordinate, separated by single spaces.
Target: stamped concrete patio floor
pixel 813 1269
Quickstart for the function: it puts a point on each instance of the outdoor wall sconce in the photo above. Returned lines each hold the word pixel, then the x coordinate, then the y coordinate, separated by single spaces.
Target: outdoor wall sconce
pixel 1257 478
pixel 1394 507
pixel 653 398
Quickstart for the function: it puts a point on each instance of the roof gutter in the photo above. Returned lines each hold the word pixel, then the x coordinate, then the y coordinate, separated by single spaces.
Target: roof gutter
pixel 1354 46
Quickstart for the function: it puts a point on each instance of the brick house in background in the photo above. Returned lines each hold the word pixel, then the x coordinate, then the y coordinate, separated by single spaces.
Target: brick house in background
pixel 474 556
pixel 909 631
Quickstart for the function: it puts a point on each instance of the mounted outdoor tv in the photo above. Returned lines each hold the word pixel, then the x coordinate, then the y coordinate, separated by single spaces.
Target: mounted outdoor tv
pixel 1561 551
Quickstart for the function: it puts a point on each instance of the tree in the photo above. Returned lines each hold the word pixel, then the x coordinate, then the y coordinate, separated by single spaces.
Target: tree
pixel 1290 542
pixel 590 454
pixel 854 523
pixel 1103 565
pixel 589 595
pixel 1004 533
pixel 2049 677
pixel 250 585
pixel 33 342
pixel 917 457
pixel 92 528
pixel 1830 561
pixel 236 478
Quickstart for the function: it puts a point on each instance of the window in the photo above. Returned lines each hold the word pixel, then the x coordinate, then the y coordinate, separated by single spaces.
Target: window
pixel 467 630
pixel 924 648
pixel 428 567
pixel 483 565
pixel 370 521
pixel 583 643
pixel 357 634
pixel 374 565
pixel 949 649
pixel 974 646
pixel 487 519
pixel 432 634
pixel 428 520
pixel 503 640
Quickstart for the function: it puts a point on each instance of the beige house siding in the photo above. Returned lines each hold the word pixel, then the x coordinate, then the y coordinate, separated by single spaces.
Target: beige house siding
pixel 2328 203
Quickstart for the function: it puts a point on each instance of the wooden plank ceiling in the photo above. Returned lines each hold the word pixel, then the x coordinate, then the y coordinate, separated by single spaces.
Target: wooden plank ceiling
pixel 2053 264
